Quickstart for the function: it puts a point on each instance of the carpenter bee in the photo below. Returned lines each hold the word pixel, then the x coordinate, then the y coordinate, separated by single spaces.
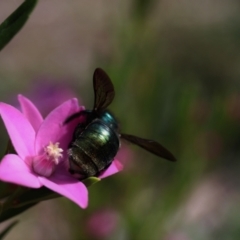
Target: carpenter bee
pixel 96 139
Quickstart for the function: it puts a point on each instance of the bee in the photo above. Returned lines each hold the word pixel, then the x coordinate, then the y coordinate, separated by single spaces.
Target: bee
pixel 96 138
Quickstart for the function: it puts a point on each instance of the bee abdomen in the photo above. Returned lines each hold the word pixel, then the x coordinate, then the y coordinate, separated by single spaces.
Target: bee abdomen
pixel 97 144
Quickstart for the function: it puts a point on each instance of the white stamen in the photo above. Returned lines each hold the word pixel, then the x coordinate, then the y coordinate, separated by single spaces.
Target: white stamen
pixel 54 152
pixel 45 164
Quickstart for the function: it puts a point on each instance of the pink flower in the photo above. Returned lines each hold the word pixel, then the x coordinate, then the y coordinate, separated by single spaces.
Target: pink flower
pixel 41 147
pixel 103 223
pixel 126 156
pixel 49 93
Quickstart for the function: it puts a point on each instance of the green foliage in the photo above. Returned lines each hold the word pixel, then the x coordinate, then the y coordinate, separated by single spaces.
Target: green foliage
pixel 12 212
pixel 11 26
pixel 7 229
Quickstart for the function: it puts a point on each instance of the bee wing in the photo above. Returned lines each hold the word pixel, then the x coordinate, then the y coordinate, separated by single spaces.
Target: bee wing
pixel 103 89
pixel 150 145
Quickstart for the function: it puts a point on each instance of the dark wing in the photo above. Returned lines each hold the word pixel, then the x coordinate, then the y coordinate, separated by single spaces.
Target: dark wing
pixel 103 89
pixel 150 145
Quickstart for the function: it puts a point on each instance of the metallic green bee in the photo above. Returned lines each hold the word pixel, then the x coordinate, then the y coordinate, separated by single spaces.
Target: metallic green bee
pixel 96 139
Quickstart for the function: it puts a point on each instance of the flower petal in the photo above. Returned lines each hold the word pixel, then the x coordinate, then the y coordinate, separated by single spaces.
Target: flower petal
pixel 30 112
pixel 14 170
pixel 43 166
pixel 53 128
pixel 67 186
pixel 115 167
pixel 19 129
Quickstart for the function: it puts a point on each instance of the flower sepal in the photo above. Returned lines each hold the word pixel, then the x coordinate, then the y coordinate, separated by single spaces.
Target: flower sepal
pixel 90 181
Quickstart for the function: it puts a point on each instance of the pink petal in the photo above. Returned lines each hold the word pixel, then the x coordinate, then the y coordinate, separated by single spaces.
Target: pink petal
pixel 53 128
pixel 19 129
pixel 68 187
pixel 30 112
pixel 115 167
pixel 42 166
pixel 14 170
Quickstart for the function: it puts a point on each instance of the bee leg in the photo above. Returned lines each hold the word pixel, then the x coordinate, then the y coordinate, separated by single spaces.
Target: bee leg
pixel 79 175
pixel 72 117
pixel 105 168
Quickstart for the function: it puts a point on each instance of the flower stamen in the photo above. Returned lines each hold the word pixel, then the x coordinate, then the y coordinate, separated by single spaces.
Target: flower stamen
pixel 54 152
pixel 45 164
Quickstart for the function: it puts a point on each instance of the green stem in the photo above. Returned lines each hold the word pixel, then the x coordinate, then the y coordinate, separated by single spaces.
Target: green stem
pixel 10 200
pixel 50 196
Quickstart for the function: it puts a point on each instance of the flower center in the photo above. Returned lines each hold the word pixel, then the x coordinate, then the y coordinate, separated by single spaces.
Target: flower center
pixel 53 152
pixel 45 164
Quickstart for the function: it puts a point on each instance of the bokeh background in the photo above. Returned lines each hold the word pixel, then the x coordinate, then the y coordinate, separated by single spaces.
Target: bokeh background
pixel 175 68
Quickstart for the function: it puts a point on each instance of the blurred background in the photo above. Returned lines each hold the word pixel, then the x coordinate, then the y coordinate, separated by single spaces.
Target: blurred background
pixel 175 68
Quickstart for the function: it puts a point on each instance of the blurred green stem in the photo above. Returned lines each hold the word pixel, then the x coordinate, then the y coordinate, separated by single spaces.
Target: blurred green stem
pixel 36 200
pixel 10 200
